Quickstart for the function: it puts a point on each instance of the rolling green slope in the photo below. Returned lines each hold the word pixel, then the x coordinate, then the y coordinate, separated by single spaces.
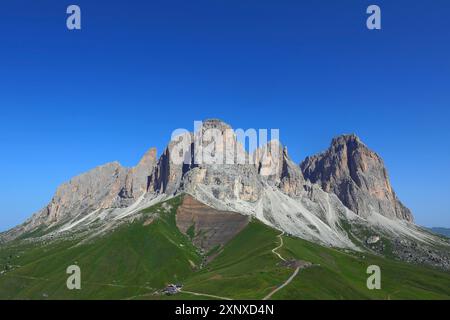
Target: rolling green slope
pixel 135 259
pixel 247 268
pixel 140 258
pixel 342 275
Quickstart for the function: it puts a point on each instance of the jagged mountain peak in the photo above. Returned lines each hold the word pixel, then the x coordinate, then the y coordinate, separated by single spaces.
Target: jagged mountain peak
pixel 109 168
pixel 357 175
pixel 149 157
pixel 274 163
pixel 352 143
pixel 215 123
pixel 137 179
pixel 346 138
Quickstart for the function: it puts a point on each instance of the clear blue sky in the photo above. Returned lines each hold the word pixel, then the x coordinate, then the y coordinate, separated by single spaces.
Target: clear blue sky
pixel 138 69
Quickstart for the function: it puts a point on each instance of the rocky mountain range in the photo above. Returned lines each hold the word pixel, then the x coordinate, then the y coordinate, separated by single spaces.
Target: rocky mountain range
pixel 339 198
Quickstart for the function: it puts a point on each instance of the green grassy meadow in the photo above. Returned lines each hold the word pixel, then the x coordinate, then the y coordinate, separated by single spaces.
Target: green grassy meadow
pixel 138 259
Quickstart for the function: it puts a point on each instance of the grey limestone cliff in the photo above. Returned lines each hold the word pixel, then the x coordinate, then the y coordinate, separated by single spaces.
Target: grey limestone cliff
pixel 358 176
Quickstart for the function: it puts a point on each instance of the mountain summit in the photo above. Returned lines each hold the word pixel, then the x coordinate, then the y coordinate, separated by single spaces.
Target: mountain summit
pixel 357 176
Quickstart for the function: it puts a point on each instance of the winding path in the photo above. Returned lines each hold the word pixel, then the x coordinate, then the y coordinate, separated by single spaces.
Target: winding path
pixel 284 284
pixel 274 250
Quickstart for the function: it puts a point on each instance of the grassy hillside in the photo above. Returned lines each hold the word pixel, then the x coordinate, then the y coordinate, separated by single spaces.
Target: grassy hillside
pixel 247 268
pixel 139 258
pixel 342 275
pixel 133 260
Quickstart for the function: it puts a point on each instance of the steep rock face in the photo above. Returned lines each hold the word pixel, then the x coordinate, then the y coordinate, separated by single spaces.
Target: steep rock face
pixel 212 158
pixel 226 182
pixel 273 163
pixel 357 176
pixel 188 150
pixel 104 187
pixel 138 178
pixel 96 189
pixel 223 167
pixel 174 163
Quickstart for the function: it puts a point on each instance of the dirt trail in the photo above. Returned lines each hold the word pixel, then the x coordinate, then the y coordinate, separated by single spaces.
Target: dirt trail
pixel 274 250
pixel 284 284
pixel 205 295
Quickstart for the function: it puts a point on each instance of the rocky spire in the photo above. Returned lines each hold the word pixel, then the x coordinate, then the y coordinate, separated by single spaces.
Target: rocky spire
pixel 357 176
pixel 274 163
pixel 137 180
